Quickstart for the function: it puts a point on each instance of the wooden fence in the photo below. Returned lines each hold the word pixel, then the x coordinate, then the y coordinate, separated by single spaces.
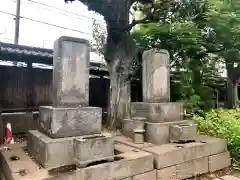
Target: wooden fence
pixel 21 88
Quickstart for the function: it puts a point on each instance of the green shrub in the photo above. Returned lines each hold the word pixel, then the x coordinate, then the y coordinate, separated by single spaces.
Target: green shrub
pixel 222 123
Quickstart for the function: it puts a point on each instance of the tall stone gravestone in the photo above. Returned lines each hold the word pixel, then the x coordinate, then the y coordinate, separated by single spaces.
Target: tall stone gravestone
pixel 70 130
pixel 156 82
pixel 70 114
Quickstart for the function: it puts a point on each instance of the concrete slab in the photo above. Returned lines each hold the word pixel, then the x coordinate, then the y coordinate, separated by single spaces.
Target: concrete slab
pixel 67 122
pixel 93 149
pixel 158 112
pixel 219 161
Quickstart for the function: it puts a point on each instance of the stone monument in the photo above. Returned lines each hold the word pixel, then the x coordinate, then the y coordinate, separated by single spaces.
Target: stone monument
pixel 160 114
pixel 70 130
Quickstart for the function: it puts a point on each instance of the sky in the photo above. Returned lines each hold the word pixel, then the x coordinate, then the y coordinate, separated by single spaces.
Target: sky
pixel 78 18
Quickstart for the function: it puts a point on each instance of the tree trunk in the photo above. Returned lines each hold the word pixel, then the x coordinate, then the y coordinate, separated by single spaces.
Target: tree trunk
pixel 231 93
pixel 120 100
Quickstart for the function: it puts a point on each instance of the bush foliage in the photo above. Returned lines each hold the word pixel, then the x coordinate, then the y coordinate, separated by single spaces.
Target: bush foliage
pixel 222 123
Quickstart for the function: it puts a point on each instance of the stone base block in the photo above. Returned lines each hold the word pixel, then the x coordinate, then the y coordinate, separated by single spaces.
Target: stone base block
pixel 183 131
pixel 158 112
pixel 159 133
pixel 66 122
pixel 50 152
pixel 219 161
pixel 93 149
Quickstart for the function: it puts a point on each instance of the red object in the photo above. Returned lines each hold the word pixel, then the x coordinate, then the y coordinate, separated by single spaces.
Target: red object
pixel 9 136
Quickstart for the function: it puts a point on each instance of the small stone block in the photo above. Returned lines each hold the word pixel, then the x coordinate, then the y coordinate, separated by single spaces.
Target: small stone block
pixel 138 137
pixel 168 173
pixel 158 112
pixel 219 161
pixel 183 131
pixel 192 168
pixel 127 127
pixel 67 122
pixel 152 175
pixel 159 133
pixel 50 152
pixel 93 149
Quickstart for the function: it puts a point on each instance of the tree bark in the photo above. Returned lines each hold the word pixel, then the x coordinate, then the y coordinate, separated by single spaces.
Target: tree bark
pixel 120 100
pixel 231 93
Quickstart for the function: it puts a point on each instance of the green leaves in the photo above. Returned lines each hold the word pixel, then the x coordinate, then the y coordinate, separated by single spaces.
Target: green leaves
pixel 222 123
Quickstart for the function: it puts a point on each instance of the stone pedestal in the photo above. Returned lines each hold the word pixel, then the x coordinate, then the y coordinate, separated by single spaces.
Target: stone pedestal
pixel 158 112
pixel 66 122
pixel 91 149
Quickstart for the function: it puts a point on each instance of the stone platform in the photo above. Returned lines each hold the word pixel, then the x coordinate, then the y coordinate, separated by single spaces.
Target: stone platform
pixel 67 122
pixel 173 161
pixel 176 161
pixel 129 164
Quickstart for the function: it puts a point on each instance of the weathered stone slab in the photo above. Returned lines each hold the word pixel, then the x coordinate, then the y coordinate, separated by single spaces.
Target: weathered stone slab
pixel 156 76
pixel 70 72
pixel 133 163
pixel 171 154
pixel 152 175
pixel 92 149
pixel 158 112
pixel 168 173
pixel 159 133
pixel 192 168
pixel 50 152
pixel 219 161
pixel 66 122
pixel 183 131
